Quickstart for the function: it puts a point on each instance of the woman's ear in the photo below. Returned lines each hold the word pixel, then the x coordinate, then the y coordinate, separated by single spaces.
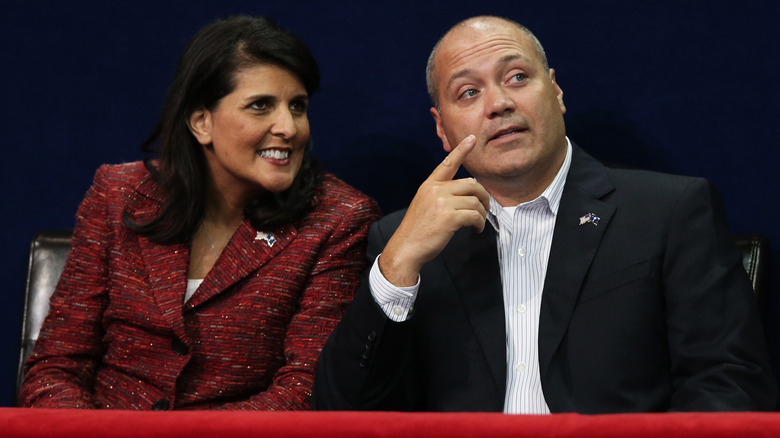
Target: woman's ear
pixel 200 125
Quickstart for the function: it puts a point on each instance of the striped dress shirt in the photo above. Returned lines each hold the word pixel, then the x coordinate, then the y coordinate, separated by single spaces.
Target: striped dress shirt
pixel 524 236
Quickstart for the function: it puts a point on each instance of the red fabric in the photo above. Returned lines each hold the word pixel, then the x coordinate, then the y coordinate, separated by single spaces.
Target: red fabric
pixel 31 423
pixel 119 336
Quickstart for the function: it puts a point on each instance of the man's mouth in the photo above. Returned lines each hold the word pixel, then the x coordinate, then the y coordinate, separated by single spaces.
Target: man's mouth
pixel 275 154
pixel 506 132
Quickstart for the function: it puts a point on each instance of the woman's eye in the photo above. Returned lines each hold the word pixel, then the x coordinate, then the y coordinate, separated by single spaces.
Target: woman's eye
pixel 260 105
pixel 298 106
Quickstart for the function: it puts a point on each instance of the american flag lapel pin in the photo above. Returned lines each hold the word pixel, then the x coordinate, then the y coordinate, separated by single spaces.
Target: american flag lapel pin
pixel 269 238
pixel 590 218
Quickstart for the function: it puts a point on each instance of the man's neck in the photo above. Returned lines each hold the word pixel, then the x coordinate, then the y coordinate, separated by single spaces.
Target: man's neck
pixel 517 190
pixel 513 191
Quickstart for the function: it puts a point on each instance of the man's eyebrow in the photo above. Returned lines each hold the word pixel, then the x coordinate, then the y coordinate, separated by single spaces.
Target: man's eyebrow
pixel 458 75
pixel 512 57
pixel 504 60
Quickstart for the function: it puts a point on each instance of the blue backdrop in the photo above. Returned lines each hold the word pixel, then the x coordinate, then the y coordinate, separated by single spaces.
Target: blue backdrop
pixel 679 86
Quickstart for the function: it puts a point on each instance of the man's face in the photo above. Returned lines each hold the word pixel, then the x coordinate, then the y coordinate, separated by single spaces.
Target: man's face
pixel 492 84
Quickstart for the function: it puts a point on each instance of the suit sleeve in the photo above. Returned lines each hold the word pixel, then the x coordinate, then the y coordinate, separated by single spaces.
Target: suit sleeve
pixel 366 363
pixel 717 347
pixel 61 370
pixel 332 286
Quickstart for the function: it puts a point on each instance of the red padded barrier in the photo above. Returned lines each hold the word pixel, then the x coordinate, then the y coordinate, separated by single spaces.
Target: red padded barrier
pixel 31 423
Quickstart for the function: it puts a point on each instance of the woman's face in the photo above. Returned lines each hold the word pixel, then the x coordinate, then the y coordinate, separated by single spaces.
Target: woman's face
pixel 255 137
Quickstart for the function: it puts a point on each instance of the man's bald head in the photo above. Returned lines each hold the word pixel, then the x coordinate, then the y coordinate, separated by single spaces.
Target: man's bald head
pixel 480 24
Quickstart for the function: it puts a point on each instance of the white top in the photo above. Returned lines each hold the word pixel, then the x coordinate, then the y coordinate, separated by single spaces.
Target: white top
pixel 192 286
pixel 524 235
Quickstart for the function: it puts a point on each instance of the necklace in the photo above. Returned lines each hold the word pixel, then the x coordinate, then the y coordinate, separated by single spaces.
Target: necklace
pixel 211 242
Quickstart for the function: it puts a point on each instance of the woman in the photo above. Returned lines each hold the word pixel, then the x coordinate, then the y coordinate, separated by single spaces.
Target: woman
pixel 211 277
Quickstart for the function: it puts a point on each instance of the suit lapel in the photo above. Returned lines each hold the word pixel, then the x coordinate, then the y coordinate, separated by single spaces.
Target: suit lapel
pixel 573 249
pixel 472 261
pixel 243 255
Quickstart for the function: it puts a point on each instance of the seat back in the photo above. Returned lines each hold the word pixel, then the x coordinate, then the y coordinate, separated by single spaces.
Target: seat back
pixel 755 258
pixel 48 251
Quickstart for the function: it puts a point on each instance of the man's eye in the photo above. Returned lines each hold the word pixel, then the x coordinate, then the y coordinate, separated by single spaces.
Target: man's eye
pixel 519 77
pixel 469 93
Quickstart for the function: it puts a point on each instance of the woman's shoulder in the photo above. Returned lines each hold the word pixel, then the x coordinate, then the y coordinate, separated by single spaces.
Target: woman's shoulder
pixel 127 183
pixel 338 200
pixel 122 174
pixel 335 191
pixel 338 204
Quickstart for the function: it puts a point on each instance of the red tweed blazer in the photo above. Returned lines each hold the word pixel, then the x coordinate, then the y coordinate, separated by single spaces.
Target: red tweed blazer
pixel 118 334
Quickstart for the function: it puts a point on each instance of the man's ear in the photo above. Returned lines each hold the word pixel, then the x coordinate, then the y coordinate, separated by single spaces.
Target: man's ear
pixel 440 130
pixel 200 125
pixel 558 91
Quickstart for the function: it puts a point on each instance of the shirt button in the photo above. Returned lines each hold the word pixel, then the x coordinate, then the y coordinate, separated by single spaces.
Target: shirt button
pixel 398 310
pixel 521 308
pixel 521 252
pixel 520 367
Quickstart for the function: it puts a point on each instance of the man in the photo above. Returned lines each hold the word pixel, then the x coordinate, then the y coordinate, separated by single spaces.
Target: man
pixel 548 283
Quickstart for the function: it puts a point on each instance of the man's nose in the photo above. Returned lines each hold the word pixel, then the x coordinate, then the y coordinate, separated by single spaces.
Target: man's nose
pixel 498 101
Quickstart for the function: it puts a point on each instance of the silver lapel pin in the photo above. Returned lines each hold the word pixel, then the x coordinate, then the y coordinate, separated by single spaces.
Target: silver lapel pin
pixel 590 218
pixel 269 238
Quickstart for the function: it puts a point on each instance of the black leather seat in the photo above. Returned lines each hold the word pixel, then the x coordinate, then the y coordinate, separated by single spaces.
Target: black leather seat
pixel 755 258
pixel 49 249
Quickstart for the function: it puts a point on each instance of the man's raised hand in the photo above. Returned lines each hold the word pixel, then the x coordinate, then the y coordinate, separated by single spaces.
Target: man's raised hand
pixel 440 207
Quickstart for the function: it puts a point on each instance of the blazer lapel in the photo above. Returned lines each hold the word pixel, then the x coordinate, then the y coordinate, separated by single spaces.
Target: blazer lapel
pixel 166 265
pixel 573 247
pixel 247 251
pixel 472 261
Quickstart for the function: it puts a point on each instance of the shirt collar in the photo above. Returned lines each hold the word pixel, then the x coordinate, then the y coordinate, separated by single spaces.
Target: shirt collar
pixel 551 195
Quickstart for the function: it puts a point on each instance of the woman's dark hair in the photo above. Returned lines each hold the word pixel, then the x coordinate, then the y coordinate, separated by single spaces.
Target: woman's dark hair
pixel 205 74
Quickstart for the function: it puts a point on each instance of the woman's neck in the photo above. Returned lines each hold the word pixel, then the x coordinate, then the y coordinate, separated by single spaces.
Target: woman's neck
pixel 221 219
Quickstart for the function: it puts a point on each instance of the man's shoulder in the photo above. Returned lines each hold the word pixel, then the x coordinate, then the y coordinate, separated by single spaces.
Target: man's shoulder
pixel 630 186
pixel 656 193
pixel 387 225
pixel 586 170
pixel 648 181
pixel 393 219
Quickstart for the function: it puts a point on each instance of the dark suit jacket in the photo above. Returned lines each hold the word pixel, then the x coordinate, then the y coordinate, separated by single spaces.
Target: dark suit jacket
pixel 650 310
pixel 119 335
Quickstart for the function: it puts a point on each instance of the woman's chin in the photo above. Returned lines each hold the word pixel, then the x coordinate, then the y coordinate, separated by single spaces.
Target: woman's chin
pixel 277 185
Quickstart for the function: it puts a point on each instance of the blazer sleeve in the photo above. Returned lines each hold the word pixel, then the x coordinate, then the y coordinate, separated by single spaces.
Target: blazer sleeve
pixel 61 370
pixel 717 347
pixel 366 363
pixel 331 288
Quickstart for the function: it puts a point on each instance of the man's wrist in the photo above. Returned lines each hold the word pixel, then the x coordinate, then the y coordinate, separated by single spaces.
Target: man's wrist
pixel 396 302
pixel 397 270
